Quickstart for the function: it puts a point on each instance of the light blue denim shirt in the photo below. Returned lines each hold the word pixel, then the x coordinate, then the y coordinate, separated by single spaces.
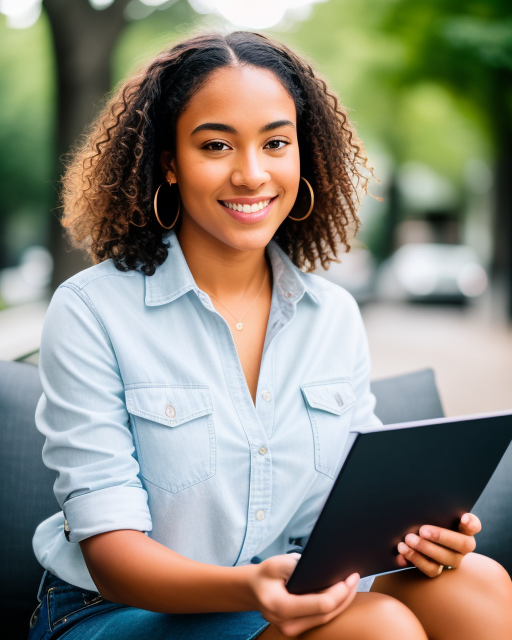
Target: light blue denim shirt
pixel 150 425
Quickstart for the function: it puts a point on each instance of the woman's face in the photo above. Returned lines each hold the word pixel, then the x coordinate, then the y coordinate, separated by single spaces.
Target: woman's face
pixel 236 148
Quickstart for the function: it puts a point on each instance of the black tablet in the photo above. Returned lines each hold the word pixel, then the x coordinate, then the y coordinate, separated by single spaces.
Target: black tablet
pixel 394 479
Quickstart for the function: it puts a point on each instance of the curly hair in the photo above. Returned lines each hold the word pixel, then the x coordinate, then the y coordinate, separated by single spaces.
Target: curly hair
pixel 109 183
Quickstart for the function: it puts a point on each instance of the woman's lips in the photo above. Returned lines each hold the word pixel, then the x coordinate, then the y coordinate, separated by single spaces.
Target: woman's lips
pixel 249 218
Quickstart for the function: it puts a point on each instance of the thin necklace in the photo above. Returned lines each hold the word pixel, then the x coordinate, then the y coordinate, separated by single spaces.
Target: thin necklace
pixel 239 324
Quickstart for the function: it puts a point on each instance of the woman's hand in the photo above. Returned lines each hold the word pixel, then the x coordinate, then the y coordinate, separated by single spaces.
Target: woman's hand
pixel 294 614
pixel 435 548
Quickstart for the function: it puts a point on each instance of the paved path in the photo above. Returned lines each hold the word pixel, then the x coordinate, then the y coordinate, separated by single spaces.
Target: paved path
pixel 470 353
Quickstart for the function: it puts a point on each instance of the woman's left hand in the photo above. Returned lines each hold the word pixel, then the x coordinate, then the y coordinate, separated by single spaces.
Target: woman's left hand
pixel 435 548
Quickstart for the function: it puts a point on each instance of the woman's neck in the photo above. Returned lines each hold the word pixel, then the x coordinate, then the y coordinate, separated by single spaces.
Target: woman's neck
pixel 219 269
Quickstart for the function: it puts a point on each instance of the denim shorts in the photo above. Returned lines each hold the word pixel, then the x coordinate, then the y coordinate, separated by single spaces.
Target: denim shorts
pixel 72 613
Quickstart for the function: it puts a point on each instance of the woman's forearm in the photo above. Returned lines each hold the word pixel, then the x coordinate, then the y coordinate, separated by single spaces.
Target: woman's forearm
pixel 130 568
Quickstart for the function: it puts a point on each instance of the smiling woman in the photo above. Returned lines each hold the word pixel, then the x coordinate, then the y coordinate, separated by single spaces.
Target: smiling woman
pixel 110 185
pixel 199 384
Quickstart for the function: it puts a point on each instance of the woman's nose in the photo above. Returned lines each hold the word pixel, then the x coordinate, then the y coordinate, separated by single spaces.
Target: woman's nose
pixel 249 171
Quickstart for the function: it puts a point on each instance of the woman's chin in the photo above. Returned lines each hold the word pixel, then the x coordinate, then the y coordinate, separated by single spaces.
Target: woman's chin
pixel 249 239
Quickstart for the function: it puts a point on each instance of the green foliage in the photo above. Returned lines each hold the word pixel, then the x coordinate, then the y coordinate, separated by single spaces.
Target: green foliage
pixel 375 55
pixel 26 127
pixel 26 106
pixel 421 78
pixel 142 39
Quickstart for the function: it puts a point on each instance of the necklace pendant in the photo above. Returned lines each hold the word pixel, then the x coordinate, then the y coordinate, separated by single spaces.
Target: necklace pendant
pixel 239 326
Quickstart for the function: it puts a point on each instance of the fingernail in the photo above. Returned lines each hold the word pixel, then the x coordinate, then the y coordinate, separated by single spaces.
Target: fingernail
pixel 425 532
pixel 352 580
pixel 411 539
pixel 465 518
pixel 402 547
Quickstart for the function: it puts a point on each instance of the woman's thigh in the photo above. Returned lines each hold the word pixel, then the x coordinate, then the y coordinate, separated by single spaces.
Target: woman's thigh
pixel 474 601
pixel 371 616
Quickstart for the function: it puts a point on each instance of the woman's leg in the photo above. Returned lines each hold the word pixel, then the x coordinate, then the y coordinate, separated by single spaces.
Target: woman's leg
pixel 473 602
pixel 371 616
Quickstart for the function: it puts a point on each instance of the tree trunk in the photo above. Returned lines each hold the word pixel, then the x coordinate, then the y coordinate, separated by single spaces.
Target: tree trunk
pixel 83 39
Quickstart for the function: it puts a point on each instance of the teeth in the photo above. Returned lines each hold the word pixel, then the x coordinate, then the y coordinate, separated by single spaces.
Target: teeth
pixel 247 208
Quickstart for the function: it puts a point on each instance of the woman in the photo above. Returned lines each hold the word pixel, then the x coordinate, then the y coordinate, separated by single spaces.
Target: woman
pixel 199 386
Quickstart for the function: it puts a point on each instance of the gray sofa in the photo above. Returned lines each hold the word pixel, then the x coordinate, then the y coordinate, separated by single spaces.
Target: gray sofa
pixel 27 498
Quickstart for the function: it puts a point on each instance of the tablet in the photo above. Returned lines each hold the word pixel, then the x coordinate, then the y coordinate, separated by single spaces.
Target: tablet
pixel 393 479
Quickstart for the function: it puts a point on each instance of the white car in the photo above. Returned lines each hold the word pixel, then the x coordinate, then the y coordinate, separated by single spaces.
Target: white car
pixel 432 272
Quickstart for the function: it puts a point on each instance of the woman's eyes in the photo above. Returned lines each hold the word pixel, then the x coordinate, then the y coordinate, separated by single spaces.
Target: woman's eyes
pixel 279 141
pixel 219 145
pixel 215 146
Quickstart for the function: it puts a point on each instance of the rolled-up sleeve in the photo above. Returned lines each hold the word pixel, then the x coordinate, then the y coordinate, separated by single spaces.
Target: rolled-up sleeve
pixel 82 414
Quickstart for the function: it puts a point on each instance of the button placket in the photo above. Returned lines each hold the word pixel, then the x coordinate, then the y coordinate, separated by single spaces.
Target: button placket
pixel 260 500
pixel 265 397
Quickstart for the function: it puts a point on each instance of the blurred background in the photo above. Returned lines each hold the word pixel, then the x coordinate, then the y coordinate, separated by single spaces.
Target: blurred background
pixel 429 87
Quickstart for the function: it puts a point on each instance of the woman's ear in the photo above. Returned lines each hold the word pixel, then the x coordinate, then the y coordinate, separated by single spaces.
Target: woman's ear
pixel 167 164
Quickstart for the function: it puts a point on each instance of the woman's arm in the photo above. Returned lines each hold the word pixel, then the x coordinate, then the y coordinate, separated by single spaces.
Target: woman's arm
pixel 130 568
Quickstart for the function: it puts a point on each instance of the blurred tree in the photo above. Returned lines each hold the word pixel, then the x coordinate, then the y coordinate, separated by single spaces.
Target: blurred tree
pixel 466 45
pixel 420 77
pixel 422 121
pixel 84 39
pixel 26 103
pixel 426 81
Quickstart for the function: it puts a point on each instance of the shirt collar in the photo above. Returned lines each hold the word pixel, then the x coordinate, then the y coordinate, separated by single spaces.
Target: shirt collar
pixel 173 277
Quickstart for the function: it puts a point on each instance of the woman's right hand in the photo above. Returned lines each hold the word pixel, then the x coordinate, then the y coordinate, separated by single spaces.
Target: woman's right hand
pixel 294 614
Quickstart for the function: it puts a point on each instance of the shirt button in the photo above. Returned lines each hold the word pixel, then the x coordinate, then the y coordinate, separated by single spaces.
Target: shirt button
pixel 289 294
pixel 266 396
pixel 260 514
pixel 170 411
pixel 263 451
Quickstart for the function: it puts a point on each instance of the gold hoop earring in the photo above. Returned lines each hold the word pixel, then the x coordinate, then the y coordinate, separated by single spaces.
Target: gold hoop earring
pixel 156 208
pixel 312 203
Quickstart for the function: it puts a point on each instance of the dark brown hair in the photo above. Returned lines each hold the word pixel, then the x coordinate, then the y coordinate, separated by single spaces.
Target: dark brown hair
pixel 110 182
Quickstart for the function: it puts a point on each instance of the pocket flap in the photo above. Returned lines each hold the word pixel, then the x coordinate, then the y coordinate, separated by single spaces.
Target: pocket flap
pixel 168 404
pixel 330 396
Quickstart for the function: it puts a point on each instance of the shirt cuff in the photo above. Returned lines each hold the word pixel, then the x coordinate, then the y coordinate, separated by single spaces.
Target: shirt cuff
pixel 105 510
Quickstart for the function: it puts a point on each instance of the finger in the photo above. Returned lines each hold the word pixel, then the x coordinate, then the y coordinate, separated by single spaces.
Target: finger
pixel 459 542
pixel 434 551
pixel 470 524
pixel 321 603
pixel 401 561
pixel 427 566
pixel 300 625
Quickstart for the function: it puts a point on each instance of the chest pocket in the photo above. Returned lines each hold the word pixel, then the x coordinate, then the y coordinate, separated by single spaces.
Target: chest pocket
pixel 174 433
pixel 330 406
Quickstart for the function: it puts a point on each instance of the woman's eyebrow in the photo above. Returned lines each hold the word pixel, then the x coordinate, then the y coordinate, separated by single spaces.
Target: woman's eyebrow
pixel 214 126
pixel 226 128
pixel 276 125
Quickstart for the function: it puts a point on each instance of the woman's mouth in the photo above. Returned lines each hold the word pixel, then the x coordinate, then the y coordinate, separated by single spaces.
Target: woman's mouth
pixel 248 212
